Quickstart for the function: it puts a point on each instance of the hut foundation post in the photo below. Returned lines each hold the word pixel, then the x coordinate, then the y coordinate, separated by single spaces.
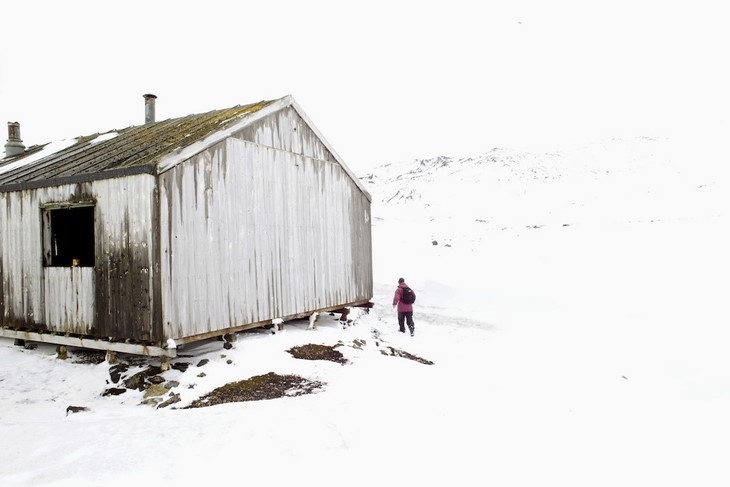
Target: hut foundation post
pixel 61 352
pixel 343 317
pixel 278 325
pixel 228 340
pixel 165 363
pixel 313 318
pixel 111 357
pixel 230 337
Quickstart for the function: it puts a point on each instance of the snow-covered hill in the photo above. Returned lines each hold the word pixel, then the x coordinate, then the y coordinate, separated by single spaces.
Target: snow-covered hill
pixel 614 181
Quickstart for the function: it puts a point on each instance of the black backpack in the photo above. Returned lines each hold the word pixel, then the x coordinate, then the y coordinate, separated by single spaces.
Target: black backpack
pixel 408 296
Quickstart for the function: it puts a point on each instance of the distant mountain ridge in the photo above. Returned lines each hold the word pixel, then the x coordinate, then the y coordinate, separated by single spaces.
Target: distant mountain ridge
pixel 614 181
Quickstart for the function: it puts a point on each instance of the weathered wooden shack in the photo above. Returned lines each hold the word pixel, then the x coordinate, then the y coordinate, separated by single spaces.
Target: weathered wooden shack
pixel 143 239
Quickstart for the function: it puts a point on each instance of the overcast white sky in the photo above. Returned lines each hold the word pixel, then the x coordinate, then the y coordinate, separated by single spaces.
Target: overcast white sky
pixel 382 80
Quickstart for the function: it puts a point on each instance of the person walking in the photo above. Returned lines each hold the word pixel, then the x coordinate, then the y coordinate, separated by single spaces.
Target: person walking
pixel 403 299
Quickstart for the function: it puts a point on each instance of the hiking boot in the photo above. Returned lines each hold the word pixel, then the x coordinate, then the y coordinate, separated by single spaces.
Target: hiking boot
pixel 402 331
pixel 411 331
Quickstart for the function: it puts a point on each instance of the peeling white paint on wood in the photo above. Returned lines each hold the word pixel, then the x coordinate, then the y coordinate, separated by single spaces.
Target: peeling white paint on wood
pixel 282 125
pixel 69 300
pixel 69 294
pixel 266 233
pixel 21 259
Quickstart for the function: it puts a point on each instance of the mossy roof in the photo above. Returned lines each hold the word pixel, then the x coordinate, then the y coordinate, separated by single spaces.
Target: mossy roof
pixel 131 150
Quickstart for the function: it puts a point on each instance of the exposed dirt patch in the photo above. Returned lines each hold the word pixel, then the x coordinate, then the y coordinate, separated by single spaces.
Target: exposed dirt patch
pixel 318 352
pixel 394 352
pixel 402 353
pixel 257 388
pixel 82 356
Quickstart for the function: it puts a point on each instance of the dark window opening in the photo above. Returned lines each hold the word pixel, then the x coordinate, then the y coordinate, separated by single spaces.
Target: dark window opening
pixel 69 237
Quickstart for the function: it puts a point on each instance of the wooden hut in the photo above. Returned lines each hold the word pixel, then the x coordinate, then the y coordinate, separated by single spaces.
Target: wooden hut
pixel 143 239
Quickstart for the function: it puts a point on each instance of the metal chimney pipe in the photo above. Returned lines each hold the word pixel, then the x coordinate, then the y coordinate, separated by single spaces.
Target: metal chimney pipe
pixel 149 108
pixel 14 145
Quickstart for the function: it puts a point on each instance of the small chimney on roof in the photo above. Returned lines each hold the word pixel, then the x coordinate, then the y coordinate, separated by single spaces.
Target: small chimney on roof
pixel 14 145
pixel 149 108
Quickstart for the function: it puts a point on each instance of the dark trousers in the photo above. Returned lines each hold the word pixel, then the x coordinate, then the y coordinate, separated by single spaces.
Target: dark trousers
pixel 407 317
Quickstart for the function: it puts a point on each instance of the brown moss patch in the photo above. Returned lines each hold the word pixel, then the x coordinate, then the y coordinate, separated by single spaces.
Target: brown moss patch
pixel 257 388
pixel 318 352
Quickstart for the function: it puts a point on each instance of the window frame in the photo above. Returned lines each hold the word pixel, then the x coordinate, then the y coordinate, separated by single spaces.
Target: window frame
pixel 86 253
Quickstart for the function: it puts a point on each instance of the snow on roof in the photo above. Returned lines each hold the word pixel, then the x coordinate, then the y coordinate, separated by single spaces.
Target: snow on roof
pixel 47 150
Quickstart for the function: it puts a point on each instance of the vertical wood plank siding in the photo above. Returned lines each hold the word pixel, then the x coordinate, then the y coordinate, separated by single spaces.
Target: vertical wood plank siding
pixel 112 299
pixel 125 259
pixel 20 247
pixel 266 233
pixel 69 293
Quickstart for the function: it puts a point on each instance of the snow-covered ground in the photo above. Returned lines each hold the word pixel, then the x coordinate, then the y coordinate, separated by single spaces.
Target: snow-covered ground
pixel 574 305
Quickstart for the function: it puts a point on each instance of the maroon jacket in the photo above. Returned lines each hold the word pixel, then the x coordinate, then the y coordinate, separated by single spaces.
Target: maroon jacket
pixel 402 307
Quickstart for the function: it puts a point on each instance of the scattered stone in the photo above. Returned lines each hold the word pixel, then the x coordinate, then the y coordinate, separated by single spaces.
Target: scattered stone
pixel 75 409
pixel 202 374
pixel 181 366
pixel 153 370
pixel 155 390
pixel 151 401
pixel 175 398
pixel 434 242
pixel 116 371
pixel 136 381
pixel 228 345
pixel 171 384
pixel 358 344
pixel 229 361
pixel 114 391
pixel 203 362
pixel 30 346
pixel 157 379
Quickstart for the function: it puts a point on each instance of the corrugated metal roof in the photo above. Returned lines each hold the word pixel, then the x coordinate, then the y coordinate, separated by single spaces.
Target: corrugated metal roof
pixel 132 150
